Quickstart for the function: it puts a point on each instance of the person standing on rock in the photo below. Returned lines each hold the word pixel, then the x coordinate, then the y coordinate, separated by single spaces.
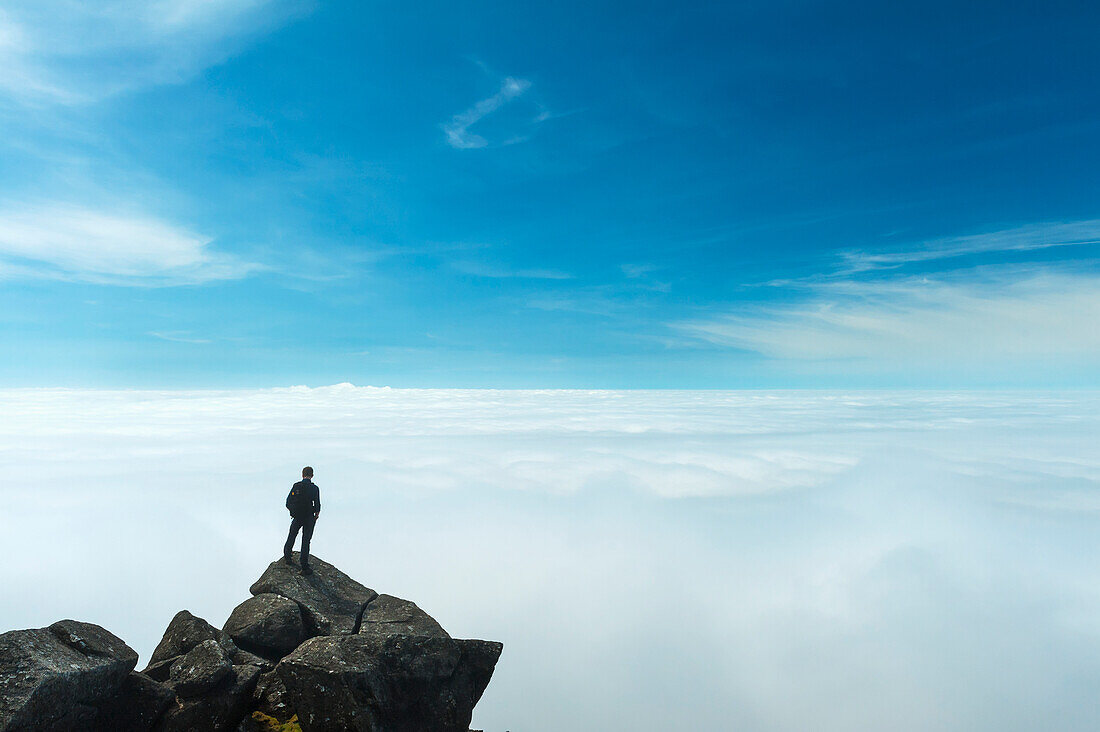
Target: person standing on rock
pixel 304 504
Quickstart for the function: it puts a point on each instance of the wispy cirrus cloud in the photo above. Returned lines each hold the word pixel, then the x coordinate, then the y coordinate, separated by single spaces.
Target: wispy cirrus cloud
pixel 634 270
pixel 457 130
pixel 68 241
pixel 641 273
pixel 1028 238
pixel 178 336
pixel 60 52
pixel 481 269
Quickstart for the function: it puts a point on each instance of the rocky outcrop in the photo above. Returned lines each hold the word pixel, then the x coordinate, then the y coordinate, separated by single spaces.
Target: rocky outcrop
pixel 320 651
pixel 59 677
pixel 331 602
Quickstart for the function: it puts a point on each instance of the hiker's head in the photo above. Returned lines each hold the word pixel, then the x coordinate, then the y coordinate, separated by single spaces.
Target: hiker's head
pixel 307 472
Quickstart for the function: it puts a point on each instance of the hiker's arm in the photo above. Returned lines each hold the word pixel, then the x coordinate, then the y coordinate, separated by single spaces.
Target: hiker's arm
pixel 317 503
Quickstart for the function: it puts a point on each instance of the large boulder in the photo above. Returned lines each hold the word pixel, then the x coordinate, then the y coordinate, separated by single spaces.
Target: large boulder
pixel 395 683
pixel 331 602
pixel 200 669
pixel 55 678
pixel 267 624
pixel 389 615
pixel 219 709
pixel 184 632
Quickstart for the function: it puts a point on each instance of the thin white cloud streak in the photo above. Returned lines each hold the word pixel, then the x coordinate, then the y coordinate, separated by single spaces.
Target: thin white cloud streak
pixel 663 560
pixel 481 269
pixel 1026 313
pixel 634 270
pixel 457 130
pixel 1020 239
pixel 58 52
pixel 66 241
pixel 178 337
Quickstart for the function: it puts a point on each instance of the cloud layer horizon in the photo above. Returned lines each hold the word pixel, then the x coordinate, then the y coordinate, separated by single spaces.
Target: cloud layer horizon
pixel 651 560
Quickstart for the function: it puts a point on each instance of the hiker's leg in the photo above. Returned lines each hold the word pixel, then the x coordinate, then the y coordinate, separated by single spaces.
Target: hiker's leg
pixel 307 534
pixel 289 546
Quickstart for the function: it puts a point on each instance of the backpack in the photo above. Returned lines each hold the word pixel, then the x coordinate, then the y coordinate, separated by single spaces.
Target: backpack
pixel 298 500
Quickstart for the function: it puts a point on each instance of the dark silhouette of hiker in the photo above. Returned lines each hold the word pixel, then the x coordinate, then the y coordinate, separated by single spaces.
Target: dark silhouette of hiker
pixel 304 504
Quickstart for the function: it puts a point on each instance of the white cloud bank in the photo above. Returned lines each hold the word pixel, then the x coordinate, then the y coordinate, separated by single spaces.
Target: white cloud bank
pixel 1028 312
pixel 651 560
pixel 66 241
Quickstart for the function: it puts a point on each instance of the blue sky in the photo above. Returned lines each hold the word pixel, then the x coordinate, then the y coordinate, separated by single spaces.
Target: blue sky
pixel 250 193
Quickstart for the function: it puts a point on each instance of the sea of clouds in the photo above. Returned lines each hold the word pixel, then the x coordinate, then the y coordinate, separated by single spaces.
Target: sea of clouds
pixel 661 560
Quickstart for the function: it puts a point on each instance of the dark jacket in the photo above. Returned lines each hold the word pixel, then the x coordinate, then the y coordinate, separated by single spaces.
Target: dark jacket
pixel 304 499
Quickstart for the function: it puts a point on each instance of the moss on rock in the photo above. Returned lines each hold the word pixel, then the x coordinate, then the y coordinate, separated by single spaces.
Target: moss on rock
pixel 270 724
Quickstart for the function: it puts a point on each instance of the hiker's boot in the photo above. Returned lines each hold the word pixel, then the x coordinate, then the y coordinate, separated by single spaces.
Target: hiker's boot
pixel 287 559
pixel 306 569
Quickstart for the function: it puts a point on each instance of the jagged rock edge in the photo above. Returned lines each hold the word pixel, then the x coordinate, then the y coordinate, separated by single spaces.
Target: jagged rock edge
pixel 362 612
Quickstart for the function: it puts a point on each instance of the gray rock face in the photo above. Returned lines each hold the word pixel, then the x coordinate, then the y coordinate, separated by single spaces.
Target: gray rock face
pixel 267 624
pixel 56 677
pixel 159 671
pixel 137 707
pixel 396 683
pixel 389 615
pixel 80 716
pixel 186 631
pixel 200 669
pixel 271 699
pixel 220 709
pixel 331 602
pixel 92 640
pixel 242 657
